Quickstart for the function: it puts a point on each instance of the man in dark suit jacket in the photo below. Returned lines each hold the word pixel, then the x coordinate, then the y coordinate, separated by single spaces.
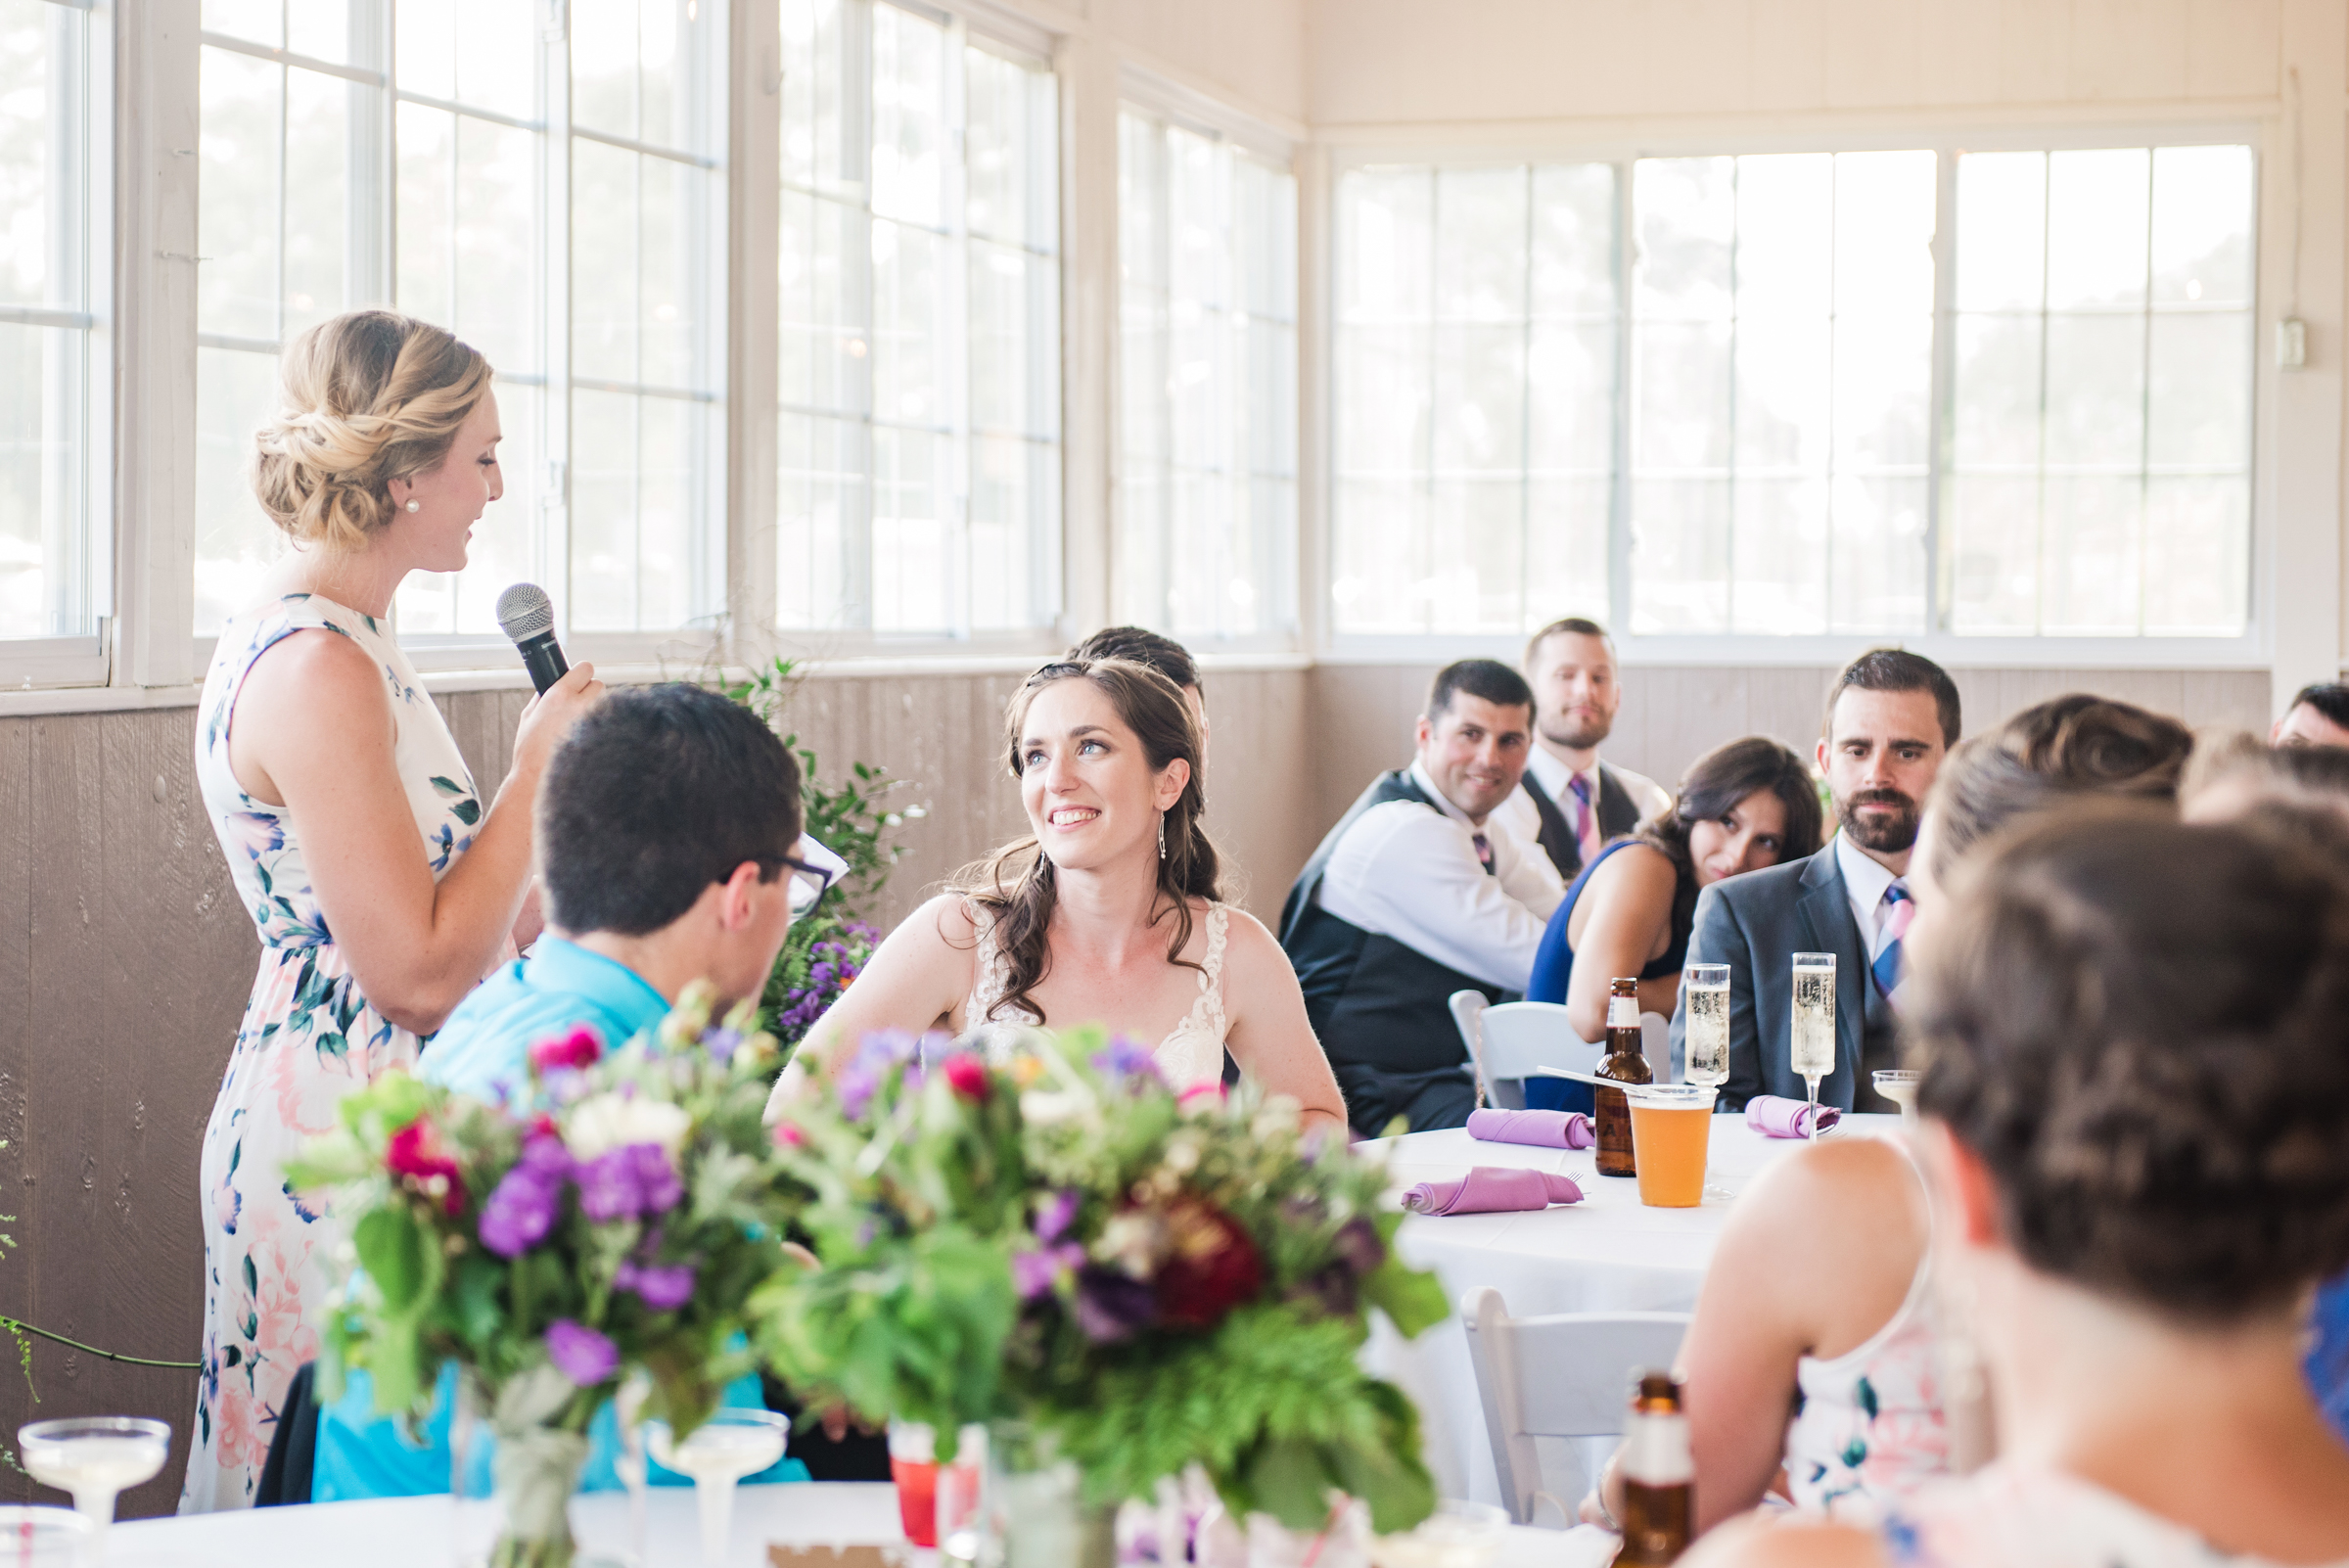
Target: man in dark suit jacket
pixel 1570 802
pixel 1892 716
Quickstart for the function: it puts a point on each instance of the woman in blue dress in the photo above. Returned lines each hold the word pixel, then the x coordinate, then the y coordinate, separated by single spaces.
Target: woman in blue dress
pixel 1740 807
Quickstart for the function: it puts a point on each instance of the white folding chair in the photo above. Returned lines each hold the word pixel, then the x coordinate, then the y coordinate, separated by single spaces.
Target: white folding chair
pixel 1563 1376
pixel 1510 1042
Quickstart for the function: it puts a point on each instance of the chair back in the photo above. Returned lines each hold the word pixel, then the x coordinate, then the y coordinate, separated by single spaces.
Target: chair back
pixel 1563 1376
pixel 1467 1013
pixel 1522 1036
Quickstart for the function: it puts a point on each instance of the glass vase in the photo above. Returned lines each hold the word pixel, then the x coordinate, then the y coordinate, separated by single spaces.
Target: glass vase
pixel 1033 1509
pixel 533 1472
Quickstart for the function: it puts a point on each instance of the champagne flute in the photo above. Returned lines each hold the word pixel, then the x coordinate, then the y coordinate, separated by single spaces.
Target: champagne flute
pixel 96 1457
pixel 1707 1038
pixel 717 1454
pixel 1812 1040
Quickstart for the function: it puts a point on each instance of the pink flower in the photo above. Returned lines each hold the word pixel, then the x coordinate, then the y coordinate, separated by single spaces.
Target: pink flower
pixel 967 1077
pixel 417 1155
pixel 581 1048
pixel 789 1137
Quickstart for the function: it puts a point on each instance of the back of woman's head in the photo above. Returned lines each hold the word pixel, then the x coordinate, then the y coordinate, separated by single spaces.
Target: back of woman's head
pixel 1730 773
pixel 365 399
pixel 2053 752
pixel 2135 1024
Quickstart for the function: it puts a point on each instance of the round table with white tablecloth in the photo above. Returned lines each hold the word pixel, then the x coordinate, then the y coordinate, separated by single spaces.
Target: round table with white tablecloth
pixel 1608 1253
pixel 429 1532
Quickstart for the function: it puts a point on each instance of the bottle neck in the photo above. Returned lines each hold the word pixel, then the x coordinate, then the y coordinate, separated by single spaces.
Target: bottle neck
pixel 1655 1450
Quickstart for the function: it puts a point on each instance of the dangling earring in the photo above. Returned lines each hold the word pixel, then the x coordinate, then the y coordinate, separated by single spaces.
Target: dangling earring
pixel 1162 835
pixel 415 506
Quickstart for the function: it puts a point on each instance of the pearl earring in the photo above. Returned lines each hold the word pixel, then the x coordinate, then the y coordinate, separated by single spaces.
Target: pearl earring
pixel 415 506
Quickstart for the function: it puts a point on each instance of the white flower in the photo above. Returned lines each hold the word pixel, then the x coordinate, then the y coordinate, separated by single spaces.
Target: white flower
pixel 1051 1108
pixel 607 1121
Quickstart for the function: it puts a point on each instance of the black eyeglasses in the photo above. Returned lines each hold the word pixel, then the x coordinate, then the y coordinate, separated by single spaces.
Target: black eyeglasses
pixel 808 883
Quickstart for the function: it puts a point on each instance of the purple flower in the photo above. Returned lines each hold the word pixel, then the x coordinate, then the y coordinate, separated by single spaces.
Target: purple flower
pixel 521 1211
pixel 633 1179
pixel 856 1089
pixel 579 1352
pixel 723 1042
pixel 663 1287
pixel 1036 1272
pixel 544 1153
pixel 1112 1304
pixel 1126 1057
pixel 1358 1247
pixel 1057 1215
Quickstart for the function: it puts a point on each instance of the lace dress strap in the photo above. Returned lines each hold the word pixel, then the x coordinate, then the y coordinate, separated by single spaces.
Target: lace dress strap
pixel 1206 1013
pixel 990 975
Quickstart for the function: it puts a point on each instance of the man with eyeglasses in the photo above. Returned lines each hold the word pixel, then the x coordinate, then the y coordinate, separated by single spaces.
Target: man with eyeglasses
pixel 669 851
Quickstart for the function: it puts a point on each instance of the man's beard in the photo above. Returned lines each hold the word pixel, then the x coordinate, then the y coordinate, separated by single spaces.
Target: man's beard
pixel 1591 732
pixel 1891 835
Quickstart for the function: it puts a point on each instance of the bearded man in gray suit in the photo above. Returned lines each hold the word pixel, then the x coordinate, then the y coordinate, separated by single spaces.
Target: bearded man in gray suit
pixel 1891 719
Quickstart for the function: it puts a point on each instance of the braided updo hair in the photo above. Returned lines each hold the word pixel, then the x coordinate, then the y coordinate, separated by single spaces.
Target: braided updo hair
pixel 366 399
pixel 2050 753
pixel 2135 1024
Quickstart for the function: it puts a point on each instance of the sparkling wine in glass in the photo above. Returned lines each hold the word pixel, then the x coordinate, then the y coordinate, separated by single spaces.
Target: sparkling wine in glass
pixel 717 1454
pixel 1812 1040
pixel 95 1458
pixel 1707 1039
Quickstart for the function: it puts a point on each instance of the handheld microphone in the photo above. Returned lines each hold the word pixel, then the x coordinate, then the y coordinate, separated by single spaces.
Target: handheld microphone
pixel 528 617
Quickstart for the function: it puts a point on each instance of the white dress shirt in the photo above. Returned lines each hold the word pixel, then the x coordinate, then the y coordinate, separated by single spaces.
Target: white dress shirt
pixel 1413 874
pixel 1549 776
pixel 1864 879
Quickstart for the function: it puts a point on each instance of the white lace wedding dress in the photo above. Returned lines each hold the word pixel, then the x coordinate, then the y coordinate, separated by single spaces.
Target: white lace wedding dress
pixel 1191 1054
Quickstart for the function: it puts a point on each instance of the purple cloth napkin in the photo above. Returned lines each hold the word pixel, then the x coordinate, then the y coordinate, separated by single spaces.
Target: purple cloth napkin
pixel 1775 1116
pixel 1551 1129
pixel 1488 1189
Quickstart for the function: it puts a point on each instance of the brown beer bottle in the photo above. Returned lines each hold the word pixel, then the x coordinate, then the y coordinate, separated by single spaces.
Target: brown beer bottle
pixel 1659 1498
pixel 1626 1063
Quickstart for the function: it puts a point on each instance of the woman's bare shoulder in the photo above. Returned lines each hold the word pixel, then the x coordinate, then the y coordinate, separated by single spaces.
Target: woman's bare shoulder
pixel 1753 1542
pixel 1247 942
pixel 316 662
pixel 947 919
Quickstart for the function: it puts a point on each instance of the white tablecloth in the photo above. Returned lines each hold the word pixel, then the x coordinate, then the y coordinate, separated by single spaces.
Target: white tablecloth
pixel 429 1532
pixel 1608 1253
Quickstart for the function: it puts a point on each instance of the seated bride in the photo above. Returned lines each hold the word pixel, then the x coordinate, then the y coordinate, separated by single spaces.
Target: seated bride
pixel 1107 912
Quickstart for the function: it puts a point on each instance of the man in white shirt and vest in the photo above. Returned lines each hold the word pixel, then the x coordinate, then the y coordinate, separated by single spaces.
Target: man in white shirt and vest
pixel 1571 802
pixel 1421 891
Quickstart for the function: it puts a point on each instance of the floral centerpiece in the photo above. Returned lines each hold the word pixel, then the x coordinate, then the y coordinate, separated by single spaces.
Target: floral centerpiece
pixel 615 1219
pixel 1145 1281
pixel 808 977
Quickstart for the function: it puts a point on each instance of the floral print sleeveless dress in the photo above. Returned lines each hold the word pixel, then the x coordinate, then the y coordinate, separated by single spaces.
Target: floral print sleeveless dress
pixel 307 1039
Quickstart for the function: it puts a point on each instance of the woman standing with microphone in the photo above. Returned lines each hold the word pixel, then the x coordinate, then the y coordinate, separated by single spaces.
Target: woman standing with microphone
pixel 382 887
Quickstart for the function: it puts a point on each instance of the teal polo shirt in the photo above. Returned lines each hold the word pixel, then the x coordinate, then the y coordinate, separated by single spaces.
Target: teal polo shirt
pixel 483 1050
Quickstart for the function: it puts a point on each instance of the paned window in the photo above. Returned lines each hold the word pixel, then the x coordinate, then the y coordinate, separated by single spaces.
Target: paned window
pixel 918 372
pixel 553 194
pixel 1891 392
pixel 2100 480
pixel 1477 320
pixel 52 478
pixel 1207 345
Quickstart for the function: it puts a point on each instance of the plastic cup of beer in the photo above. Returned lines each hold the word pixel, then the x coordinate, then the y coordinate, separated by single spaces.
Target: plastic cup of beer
pixel 1672 1128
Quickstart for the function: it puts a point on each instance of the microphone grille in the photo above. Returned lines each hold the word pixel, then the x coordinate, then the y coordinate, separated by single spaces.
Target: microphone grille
pixel 524 612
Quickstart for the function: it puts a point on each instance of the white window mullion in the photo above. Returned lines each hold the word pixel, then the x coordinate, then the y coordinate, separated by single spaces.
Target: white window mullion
pixel 553 553
pixel 954 321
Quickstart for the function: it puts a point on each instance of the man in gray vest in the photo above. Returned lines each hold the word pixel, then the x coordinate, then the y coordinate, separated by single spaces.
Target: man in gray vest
pixel 1891 719
pixel 1570 801
pixel 1417 893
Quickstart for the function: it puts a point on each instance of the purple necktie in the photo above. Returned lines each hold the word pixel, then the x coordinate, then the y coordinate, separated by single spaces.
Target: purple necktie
pixel 1483 852
pixel 1898 910
pixel 1585 828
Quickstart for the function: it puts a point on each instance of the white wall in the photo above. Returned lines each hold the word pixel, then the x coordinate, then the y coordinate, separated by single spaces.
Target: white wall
pixel 1519 76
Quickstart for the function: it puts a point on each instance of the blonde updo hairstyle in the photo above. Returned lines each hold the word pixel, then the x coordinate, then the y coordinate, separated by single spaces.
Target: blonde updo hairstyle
pixel 368 397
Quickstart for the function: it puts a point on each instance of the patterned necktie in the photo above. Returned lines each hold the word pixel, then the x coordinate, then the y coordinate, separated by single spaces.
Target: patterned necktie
pixel 1891 920
pixel 1483 852
pixel 1586 826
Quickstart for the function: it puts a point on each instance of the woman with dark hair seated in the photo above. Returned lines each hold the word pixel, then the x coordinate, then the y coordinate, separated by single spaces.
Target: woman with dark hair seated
pixel 2133 1096
pixel 1108 911
pixel 1739 807
pixel 1819 1300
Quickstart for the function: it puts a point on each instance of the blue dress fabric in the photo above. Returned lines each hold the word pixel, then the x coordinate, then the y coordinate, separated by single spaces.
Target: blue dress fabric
pixel 2328 1365
pixel 482 1051
pixel 1553 969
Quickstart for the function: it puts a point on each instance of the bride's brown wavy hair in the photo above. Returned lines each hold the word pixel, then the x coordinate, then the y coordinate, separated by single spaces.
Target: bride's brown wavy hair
pixel 1016 884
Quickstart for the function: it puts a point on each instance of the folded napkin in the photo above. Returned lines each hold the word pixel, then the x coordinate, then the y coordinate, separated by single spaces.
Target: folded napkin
pixel 1775 1116
pixel 1551 1129
pixel 1488 1189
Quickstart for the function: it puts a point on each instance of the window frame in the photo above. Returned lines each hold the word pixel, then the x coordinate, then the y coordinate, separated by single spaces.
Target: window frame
pixel 2252 649
pixel 1146 94
pixel 85 659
